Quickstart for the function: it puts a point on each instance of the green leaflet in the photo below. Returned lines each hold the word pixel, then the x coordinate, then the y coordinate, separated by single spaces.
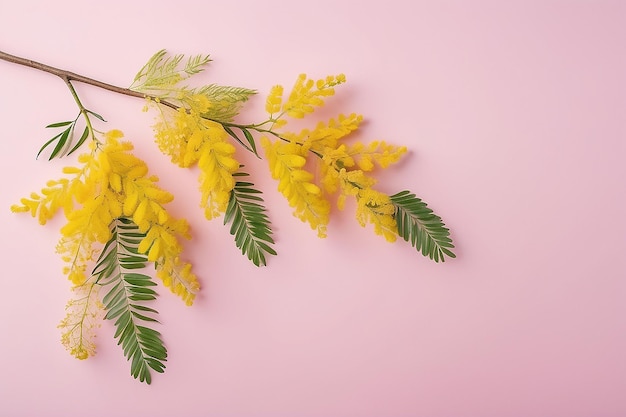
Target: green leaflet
pixel 251 146
pixel 65 144
pixel 228 99
pixel 162 72
pixel 249 222
pixel 124 301
pixel 419 225
pixel 162 75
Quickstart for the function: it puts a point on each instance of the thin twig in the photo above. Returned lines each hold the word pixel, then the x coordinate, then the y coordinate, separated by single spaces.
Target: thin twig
pixel 71 76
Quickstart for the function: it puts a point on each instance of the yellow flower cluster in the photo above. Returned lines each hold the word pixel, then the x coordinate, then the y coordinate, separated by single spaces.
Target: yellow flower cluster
pixel 307 94
pixel 286 162
pixel 113 183
pixel 84 315
pixel 188 139
pixel 45 206
pixel 342 167
pixel 376 208
pixel 274 101
pixel 326 136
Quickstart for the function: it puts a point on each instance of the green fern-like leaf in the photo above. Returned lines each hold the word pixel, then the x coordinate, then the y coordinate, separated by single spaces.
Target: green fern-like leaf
pixel 249 222
pixel 228 101
pixel 124 301
pixel 162 72
pixel 196 63
pixel 419 225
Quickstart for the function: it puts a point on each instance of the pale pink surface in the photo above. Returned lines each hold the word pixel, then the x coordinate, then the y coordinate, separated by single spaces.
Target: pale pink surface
pixel 514 115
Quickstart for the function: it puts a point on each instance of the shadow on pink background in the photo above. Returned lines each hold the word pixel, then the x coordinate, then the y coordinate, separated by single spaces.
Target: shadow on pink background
pixel 514 116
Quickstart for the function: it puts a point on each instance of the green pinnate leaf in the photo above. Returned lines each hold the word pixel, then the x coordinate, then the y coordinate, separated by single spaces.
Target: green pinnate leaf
pixel 421 227
pixel 228 99
pixel 124 301
pixel 162 72
pixel 249 223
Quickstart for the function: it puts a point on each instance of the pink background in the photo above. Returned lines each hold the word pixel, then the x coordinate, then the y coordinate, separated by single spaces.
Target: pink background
pixel 514 113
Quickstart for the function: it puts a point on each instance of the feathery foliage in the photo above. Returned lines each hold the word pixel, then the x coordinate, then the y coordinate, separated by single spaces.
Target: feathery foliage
pixel 161 77
pixel 419 225
pixel 127 293
pixel 249 222
pixel 162 71
pixel 226 100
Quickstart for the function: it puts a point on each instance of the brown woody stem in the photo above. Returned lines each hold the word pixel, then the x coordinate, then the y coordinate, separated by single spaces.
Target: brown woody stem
pixel 71 76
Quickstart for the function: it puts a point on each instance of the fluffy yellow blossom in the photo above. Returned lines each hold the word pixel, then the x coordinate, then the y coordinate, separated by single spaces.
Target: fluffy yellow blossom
pixel 162 247
pixel 351 184
pixel 274 100
pixel 85 226
pixel 189 139
pixel 376 208
pixel 179 278
pixel 347 156
pixel 326 135
pixel 45 206
pixel 373 207
pixel 307 94
pixel 113 183
pixel 378 152
pixel 179 138
pixel 217 166
pixel 83 317
pixel 286 163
